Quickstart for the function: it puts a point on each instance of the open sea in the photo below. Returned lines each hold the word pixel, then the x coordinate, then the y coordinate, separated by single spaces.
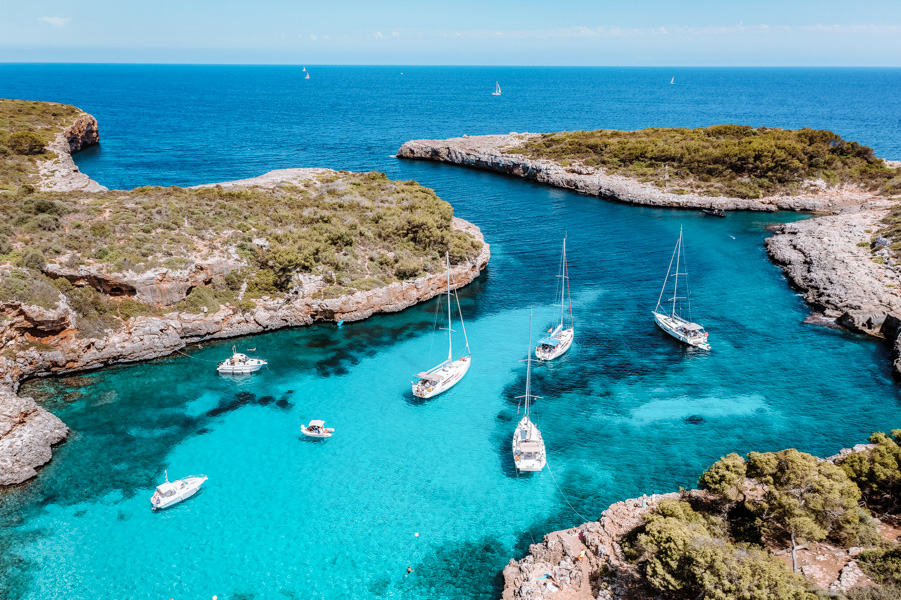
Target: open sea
pixel 626 411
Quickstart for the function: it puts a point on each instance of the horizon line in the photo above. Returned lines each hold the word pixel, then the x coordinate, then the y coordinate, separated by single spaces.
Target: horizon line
pixel 598 66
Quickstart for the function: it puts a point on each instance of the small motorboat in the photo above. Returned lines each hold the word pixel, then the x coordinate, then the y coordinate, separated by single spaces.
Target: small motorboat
pixel 173 492
pixel 713 212
pixel 240 364
pixel 317 429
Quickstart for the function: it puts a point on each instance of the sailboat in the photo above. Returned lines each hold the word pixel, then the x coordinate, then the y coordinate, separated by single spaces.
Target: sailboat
pixel 448 373
pixel 497 89
pixel 559 339
pixel 307 75
pixel 673 80
pixel 528 445
pixel 673 323
pixel 304 69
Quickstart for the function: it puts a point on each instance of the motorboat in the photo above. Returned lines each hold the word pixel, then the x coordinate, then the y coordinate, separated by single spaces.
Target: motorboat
pixel 240 364
pixel 317 429
pixel 173 492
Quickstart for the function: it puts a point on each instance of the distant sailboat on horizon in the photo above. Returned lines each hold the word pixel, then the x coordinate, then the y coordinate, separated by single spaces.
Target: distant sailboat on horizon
pixel 304 69
pixel 497 89
pixel 673 80
pixel 308 73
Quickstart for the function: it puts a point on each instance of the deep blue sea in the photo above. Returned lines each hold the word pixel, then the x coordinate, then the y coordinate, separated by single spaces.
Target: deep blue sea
pixel 627 411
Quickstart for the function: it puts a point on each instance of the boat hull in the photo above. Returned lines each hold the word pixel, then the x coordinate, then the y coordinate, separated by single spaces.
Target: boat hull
pixel 192 486
pixel 319 435
pixel 671 326
pixel 241 368
pixel 451 373
pixel 566 340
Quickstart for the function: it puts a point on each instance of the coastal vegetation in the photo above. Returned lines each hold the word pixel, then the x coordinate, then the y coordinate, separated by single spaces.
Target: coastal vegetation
pixel 26 128
pixel 725 540
pixel 720 160
pixel 330 234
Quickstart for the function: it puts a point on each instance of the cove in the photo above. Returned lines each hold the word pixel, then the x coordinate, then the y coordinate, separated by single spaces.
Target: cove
pixel 626 411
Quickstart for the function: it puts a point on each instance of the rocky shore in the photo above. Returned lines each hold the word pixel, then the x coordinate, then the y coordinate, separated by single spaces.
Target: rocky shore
pixel 54 344
pixel 491 153
pixel 845 271
pixel 587 562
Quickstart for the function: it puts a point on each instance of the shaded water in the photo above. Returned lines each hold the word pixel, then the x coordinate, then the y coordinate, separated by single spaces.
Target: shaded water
pixel 627 411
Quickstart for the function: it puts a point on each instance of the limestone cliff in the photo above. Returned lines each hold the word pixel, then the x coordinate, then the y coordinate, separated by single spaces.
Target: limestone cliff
pixel 60 174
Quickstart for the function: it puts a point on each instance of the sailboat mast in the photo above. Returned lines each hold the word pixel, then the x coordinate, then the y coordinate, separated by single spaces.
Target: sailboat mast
pixel 450 350
pixel 676 281
pixel 562 283
pixel 529 367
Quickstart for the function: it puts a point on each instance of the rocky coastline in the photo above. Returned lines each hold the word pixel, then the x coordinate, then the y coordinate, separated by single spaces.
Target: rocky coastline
pixel 587 562
pixel 55 344
pixel 844 271
pixel 491 153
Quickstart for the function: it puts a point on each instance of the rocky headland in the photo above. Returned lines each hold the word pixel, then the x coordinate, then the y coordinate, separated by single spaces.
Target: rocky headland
pixel 499 153
pixel 86 307
pixel 594 561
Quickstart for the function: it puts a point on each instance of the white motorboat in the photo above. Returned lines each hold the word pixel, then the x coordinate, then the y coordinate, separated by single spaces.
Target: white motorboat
pixel 528 445
pixel 497 89
pixel 317 429
pixel 448 373
pixel 673 323
pixel 559 338
pixel 240 364
pixel 173 492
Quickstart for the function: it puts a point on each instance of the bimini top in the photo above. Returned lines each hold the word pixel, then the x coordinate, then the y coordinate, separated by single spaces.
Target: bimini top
pixel 429 377
pixel 692 326
pixel 316 423
pixel 548 342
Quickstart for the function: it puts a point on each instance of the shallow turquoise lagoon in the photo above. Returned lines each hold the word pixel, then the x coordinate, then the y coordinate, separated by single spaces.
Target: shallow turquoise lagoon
pixel 627 411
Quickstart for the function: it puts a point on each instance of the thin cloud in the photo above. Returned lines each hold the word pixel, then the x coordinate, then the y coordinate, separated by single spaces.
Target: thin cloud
pixel 57 22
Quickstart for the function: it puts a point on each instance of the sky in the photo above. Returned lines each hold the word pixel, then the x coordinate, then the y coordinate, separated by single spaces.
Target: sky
pixel 455 32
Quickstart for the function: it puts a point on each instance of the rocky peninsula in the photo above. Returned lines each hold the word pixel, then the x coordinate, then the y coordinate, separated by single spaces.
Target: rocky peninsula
pixel 640 549
pixel 94 277
pixel 519 155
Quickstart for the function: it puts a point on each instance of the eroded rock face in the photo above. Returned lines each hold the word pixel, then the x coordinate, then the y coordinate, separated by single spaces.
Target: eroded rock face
pixel 27 433
pixel 158 286
pixel 62 349
pixel 490 153
pixel 60 174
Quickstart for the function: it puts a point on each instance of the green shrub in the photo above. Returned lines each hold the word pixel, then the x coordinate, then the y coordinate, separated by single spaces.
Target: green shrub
pixel 407 268
pixel 725 477
pixel 26 143
pixel 877 472
pixel 34 259
pixel 5 246
pixel 883 566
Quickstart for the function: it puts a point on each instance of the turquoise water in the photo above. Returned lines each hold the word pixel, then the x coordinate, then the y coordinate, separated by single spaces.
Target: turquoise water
pixel 626 411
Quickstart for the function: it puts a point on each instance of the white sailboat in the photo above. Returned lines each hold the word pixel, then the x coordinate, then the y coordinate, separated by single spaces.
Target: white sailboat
pixel 304 69
pixel 528 445
pixel 307 75
pixel 173 492
pixel 673 323
pixel 448 373
pixel 673 80
pixel 497 89
pixel 559 339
